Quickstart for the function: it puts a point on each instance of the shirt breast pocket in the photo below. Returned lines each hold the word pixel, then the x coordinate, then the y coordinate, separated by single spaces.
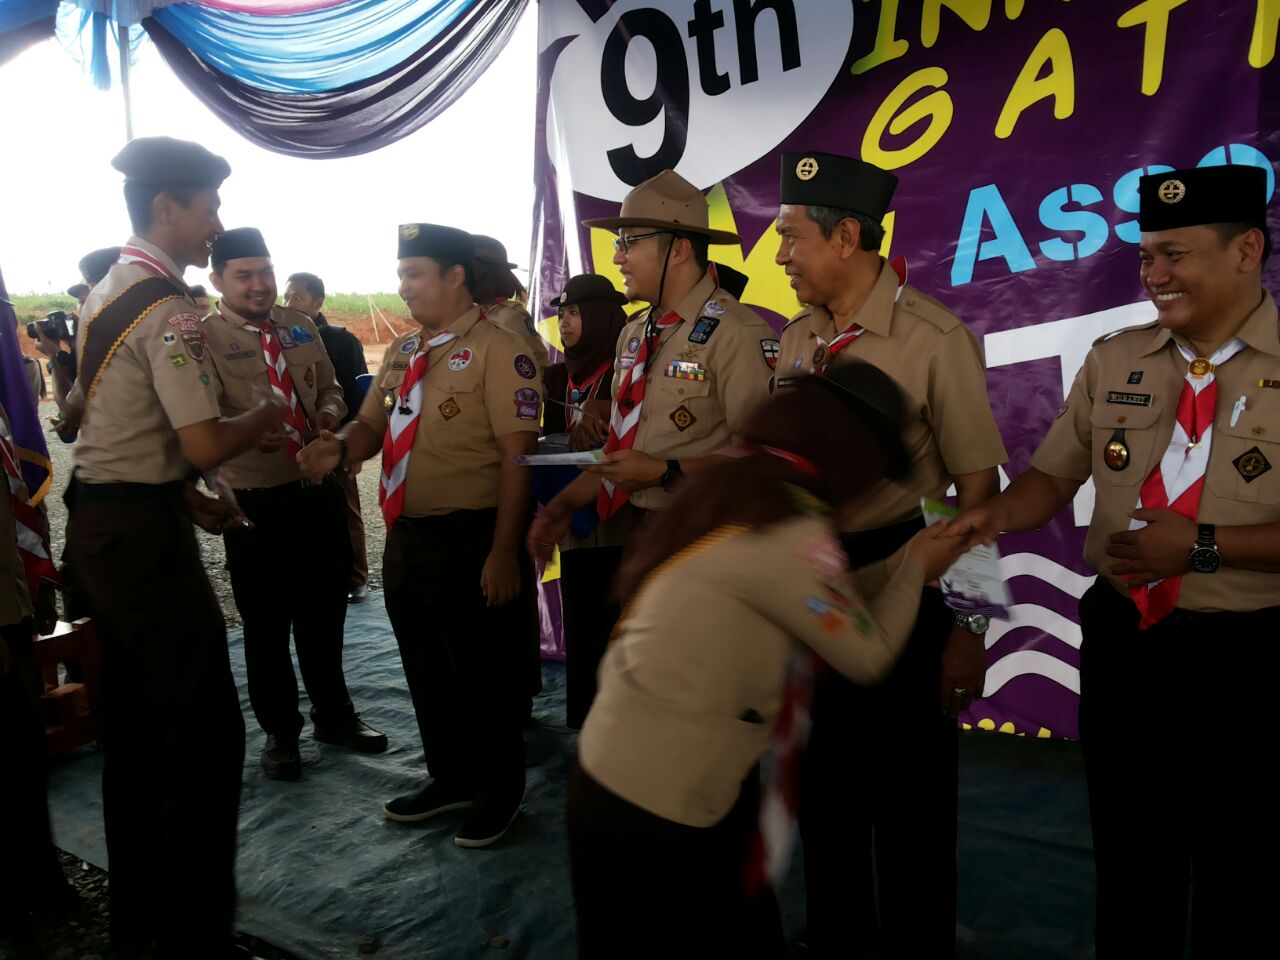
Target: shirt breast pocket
pixel 242 381
pixel 302 361
pixel 691 405
pixel 1243 464
pixel 1124 443
pixel 454 399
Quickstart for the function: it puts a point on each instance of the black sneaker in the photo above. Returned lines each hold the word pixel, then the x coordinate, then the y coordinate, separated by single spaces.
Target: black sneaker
pixel 352 733
pixel 485 826
pixel 425 802
pixel 280 759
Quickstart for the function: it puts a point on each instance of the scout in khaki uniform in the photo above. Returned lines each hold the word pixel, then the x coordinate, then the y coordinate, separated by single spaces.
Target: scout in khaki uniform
pixel 688 370
pixel 173 735
pixel 299 530
pixel 1177 422
pixel 500 295
pixel 453 403
pixel 896 794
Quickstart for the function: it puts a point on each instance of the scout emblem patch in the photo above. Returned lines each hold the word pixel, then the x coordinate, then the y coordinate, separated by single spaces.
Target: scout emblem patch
pixel 770 350
pixel 1199 367
pixel 461 359
pixel 525 366
pixel 1129 399
pixel 684 370
pixel 409 346
pixel 527 402
pixel 389 401
pixel 703 329
pixel 807 168
pixel 193 343
pixel 309 377
pixel 178 359
pixel 713 308
pixel 450 409
pixel 301 334
pixel 633 345
pixel 185 322
pixel 1251 464
pixel 683 418
pixel 1171 191
pixel 285 338
pixel 1115 454
pixel 1135 377
pixel 169 338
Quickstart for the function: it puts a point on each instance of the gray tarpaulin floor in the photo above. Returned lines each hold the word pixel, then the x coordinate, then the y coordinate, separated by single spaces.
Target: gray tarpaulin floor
pixel 319 866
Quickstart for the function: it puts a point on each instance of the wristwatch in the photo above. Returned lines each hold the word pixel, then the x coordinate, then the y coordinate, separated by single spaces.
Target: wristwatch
pixel 62 359
pixel 1204 555
pixel 672 475
pixel 975 623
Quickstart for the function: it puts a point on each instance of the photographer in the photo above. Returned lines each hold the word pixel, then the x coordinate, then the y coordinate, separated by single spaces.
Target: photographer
pixel 55 338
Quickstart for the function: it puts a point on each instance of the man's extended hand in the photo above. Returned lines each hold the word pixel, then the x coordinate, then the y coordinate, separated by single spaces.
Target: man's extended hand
pixel 327 420
pixel 319 457
pixel 1157 551
pixel 211 514
pixel 630 470
pixel 500 578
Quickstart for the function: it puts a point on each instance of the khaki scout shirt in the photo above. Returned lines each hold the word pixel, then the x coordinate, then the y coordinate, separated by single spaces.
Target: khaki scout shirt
pixel 512 317
pixel 692 683
pixel 938 363
pixel 156 383
pixel 1122 374
pixel 237 357
pixel 479 387
pixel 705 377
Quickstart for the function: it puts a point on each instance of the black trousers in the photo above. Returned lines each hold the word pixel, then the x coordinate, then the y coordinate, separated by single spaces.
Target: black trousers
pixel 293 570
pixel 30 877
pixel 588 614
pixel 173 735
pixel 466 663
pixel 878 797
pixel 646 887
pixel 1176 727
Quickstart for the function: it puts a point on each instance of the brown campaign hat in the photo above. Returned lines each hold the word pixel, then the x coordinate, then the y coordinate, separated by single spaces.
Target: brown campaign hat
pixel 879 399
pixel 667 201
pixel 93 266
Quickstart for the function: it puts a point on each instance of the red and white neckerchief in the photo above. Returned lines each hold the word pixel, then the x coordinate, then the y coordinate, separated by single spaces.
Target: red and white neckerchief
pixel 1178 479
pixel 626 413
pixel 775 835
pixel 295 420
pixel 827 351
pixel 149 262
pixel 32 545
pixel 575 393
pixel 402 427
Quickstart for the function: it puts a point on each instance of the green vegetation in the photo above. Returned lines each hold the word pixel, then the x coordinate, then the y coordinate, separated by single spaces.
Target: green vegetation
pixel 35 306
pixel 357 304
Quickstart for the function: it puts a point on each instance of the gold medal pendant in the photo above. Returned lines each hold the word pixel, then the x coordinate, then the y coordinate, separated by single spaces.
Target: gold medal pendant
pixel 1115 455
pixel 389 401
pixel 1200 367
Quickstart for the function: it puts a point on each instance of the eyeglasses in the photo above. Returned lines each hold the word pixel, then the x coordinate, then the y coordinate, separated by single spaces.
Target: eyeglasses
pixel 622 244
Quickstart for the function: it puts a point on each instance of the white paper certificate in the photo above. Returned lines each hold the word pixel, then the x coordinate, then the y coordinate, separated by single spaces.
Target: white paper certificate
pixel 578 458
pixel 974 583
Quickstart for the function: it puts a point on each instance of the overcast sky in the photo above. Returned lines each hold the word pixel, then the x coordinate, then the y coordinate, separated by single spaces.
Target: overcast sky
pixel 471 167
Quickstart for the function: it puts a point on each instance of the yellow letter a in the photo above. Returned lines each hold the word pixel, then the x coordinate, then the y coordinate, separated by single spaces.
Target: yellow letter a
pixel 1030 87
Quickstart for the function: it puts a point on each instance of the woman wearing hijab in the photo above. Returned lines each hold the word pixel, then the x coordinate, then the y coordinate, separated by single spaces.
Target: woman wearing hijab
pixel 734 593
pixel 578 403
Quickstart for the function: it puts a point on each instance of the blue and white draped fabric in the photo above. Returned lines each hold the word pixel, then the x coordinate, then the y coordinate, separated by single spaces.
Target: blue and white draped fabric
pixel 311 78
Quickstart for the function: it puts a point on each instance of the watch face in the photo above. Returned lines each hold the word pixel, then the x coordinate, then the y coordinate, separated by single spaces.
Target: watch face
pixel 1205 560
pixel 978 623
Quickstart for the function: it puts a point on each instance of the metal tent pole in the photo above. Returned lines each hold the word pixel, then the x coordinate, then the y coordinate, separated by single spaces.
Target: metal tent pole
pixel 123 37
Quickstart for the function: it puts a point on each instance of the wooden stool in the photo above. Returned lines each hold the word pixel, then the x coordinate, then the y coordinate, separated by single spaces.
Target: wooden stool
pixel 71 711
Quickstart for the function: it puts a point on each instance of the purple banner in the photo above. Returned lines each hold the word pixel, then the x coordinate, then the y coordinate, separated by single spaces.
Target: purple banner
pixel 1018 129
pixel 15 396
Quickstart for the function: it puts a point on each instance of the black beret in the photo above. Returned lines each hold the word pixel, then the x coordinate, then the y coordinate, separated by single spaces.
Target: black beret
pixel 830 180
pixel 1204 195
pixel 440 243
pixel 585 287
pixel 167 162
pixel 238 244
pixel 94 266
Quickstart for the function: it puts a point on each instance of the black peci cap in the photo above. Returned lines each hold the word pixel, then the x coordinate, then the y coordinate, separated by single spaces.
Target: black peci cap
pixel 1191 198
pixel 171 163
pixel 432 240
pixel 830 180
pixel 238 244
